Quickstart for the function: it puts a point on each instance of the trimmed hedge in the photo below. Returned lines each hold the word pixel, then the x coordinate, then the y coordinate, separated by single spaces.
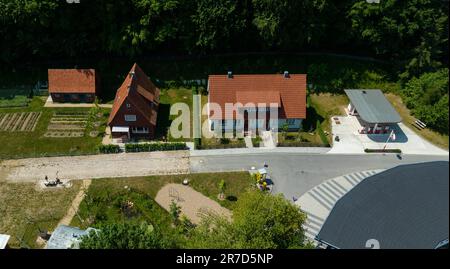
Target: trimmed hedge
pixel 107 149
pixel 382 150
pixel 300 144
pixel 148 147
pixel 221 146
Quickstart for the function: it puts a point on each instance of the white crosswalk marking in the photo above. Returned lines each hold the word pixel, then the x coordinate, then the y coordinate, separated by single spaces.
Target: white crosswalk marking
pixel 318 202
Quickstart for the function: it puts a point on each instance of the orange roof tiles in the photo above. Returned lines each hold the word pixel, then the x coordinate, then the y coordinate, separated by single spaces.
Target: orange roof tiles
pixel 71 81
pixel 257 97
pixel 290 91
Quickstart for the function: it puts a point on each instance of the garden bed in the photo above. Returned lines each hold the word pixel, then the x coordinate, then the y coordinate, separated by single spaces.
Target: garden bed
pixel 19 122
pixel 67 124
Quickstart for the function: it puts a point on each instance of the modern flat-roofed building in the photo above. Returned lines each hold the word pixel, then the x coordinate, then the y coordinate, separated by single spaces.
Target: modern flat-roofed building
pixel 374 111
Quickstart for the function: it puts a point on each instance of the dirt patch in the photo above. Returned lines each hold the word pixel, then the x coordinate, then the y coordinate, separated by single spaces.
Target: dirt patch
pixel 193 204
pixel 97 166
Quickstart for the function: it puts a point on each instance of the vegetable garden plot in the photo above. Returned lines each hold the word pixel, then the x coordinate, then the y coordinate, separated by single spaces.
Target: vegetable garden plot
pixel 67 124
pixel 19 122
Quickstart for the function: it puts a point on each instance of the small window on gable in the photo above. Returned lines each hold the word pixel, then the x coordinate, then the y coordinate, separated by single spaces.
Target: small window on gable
pixel 128 105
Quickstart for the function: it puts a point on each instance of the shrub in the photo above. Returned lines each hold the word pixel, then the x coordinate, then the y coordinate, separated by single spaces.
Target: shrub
pixel 107 149
pixel 322 134
pixel 148 147
pixel 197 143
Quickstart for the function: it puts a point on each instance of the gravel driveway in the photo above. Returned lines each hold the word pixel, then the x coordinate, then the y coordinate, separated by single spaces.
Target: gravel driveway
pixel 95 166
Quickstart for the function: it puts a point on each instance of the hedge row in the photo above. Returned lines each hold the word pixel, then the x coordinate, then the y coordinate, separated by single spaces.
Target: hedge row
pixel 221 146
pixel 109 149
pixel 300 144
pixel 147 147
pixel 382 150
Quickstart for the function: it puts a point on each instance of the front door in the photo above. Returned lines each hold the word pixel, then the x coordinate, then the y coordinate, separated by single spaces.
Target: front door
pixel 245 122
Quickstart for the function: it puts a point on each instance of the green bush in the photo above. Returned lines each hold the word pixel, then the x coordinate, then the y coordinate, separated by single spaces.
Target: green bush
pixel 197 143
pixel 107 149
pixel 322 134
pixel 148 147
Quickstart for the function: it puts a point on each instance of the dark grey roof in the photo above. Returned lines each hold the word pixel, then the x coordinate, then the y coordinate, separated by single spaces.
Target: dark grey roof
pixel 65 237
pixel 373 107
pixel 406 207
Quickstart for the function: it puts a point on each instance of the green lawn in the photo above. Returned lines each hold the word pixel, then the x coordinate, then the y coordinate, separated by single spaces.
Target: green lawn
pixel 169 97
pixel 24 210
pixel 321 108
pixel 34 144
pixel 106 196
pixel 14 96
pixel 436 138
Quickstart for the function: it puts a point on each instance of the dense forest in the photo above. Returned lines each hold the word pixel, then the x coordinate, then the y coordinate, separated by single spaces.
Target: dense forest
pixel 411 35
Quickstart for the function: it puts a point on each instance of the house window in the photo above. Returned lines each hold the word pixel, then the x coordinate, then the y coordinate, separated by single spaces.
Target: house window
pixel 290 121
pixel 130 117
pixel 57 95
pixel 128 105
pixel 140 130
pixel 212 126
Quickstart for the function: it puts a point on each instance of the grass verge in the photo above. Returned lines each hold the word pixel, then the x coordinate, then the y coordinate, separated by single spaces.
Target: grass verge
pixel 24 210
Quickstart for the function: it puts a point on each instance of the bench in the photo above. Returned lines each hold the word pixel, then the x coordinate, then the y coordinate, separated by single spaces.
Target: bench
pixel 419 125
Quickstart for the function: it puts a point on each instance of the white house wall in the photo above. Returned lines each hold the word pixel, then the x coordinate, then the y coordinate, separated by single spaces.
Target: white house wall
pixel 238 125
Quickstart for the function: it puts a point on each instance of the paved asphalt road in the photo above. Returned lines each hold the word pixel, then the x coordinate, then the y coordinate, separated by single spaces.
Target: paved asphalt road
pixel 294 174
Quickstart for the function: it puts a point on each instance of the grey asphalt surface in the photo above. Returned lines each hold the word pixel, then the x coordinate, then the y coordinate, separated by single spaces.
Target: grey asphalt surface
pixel 294 174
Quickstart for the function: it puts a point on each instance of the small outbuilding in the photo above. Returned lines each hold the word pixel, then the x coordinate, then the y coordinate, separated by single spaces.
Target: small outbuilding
pixel 375 113
pixel 73 85
pixel 4 239
pixel 67 237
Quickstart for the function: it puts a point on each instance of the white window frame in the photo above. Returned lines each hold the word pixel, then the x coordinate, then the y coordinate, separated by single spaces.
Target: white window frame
pixel 140 130
pixel 129 117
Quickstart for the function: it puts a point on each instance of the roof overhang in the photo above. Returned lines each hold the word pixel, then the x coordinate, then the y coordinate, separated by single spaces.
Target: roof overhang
pixel 120 129
pixel 372 106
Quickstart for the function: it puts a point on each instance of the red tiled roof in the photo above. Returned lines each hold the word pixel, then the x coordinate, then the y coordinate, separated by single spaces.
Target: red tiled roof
pixel 257 97
pixel 289 92
pixel 137 90
pixel 71 81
